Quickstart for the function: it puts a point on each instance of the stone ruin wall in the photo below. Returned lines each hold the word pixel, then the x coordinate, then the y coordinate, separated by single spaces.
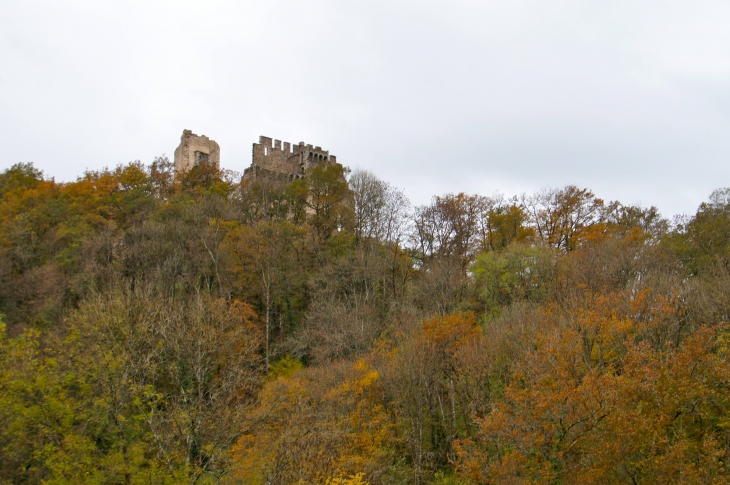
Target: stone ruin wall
pixel 193 150
pixel 285 162
pixel 272 160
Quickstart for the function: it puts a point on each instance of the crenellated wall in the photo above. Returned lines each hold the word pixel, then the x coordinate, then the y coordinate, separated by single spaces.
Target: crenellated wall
pixel 271 159
pixel 284 162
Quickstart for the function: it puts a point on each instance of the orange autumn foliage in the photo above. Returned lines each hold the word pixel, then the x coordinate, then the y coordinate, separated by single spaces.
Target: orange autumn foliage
pixel 601 400
pixel 317 427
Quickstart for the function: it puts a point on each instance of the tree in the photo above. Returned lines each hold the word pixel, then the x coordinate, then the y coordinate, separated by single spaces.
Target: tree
pixel 503 223
pixel 324 198
pixel 381 210
pixel 449 228
pixel 72 415
pixel 705 239
pixel 267 254
pixel 186 372
pixel 558 216
pixel 419 378
pixel 264 201
pixel 518 273
pixel 318 426
pixel 594 403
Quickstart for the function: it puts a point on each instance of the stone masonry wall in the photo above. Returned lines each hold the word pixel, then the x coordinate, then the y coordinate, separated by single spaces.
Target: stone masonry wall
pixel 275 161
pixel 193 150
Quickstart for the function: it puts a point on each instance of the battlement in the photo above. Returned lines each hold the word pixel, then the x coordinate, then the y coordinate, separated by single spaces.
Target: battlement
pixel 289 148
pixel 288 161
pixel 271 159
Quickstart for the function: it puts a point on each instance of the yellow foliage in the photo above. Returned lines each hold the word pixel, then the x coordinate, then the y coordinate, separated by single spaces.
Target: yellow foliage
pixel 357 479
pixel 317 426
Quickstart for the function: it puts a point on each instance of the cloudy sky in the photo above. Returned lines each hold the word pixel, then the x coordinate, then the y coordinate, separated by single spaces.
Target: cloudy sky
pixel 628 98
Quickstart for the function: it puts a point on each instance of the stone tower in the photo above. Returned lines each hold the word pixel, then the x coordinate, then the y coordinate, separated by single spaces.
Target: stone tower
pixel 284 162
pixel 194 150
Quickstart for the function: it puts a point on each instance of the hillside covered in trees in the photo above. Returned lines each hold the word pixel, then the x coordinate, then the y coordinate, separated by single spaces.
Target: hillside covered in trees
pixel 209 330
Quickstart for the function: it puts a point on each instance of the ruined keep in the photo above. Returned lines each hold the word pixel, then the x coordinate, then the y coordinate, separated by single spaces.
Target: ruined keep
pixel 277 162
pixel 272 160
pixel 194 150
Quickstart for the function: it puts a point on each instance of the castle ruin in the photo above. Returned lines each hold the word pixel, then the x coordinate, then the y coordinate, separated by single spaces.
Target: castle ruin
pixel 284 163
pixel 194 150
pixel 272 160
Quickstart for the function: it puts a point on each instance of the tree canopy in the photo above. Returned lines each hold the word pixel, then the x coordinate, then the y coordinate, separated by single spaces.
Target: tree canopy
pixel 208 329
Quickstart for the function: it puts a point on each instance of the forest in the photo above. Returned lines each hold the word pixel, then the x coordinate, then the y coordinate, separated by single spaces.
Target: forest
pixel 210 329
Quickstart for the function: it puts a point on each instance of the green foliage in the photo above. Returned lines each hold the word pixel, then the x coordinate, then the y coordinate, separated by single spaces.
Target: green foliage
pixel 518 273
pixel 21 176
pixel 445 478
pixel 327 197
pixel 705 240
pixel 285 367
pixel 60 426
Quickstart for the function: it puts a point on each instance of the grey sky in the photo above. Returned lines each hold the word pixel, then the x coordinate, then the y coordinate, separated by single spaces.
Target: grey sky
pixel 628 98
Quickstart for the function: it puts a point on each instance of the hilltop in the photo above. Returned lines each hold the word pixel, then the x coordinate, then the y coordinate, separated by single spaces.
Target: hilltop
pixel 189 326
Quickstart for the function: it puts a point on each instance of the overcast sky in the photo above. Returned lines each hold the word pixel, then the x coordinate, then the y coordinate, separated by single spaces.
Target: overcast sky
pixel 628 98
